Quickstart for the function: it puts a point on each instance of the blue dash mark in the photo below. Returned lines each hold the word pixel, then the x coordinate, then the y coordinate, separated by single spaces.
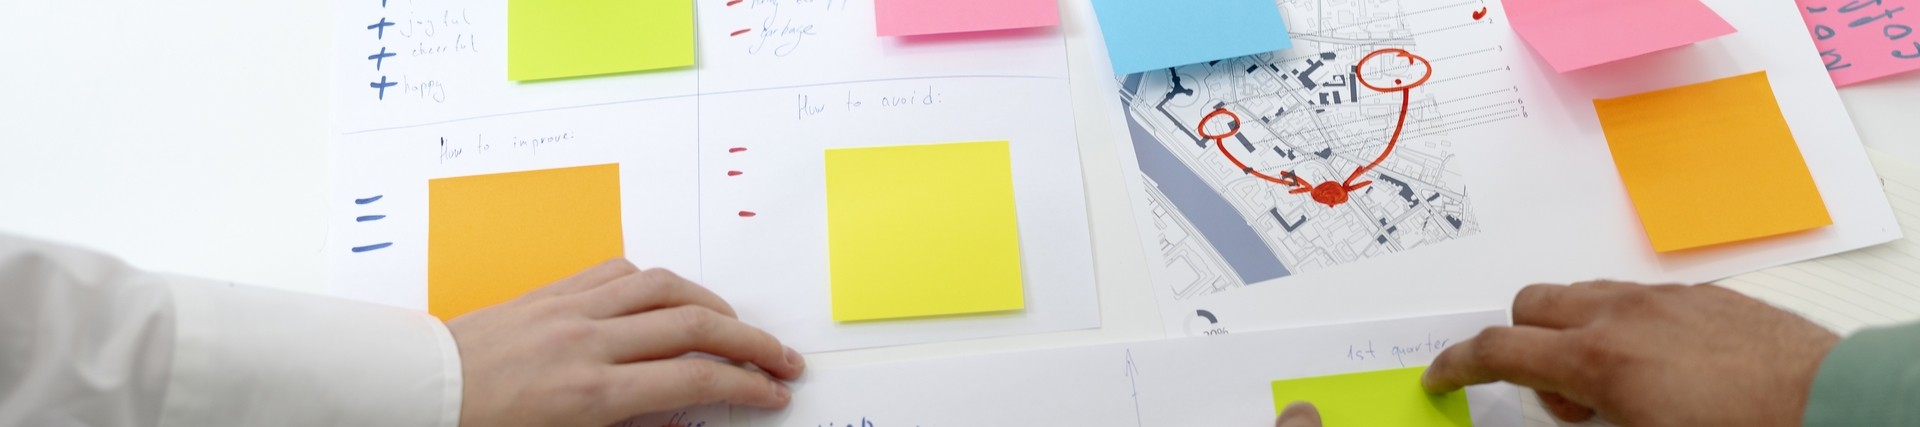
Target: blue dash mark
pixel 368 200
pixel 380 29
pixel 365 218
pixel 372 247
pixel 382 85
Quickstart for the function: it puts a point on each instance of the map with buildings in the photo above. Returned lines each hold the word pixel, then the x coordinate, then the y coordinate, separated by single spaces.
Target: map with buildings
pixel 1238 213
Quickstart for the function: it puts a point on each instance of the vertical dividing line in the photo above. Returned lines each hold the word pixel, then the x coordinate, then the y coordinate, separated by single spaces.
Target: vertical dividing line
pixel 699 158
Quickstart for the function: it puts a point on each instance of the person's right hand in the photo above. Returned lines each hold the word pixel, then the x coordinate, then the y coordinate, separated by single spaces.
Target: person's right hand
pixel 1647 355
pixel 605 345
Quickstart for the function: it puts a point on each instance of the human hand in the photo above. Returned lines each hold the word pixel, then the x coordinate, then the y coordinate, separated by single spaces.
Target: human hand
pixel 1298 414
pixel 605 345
pixel 1646 355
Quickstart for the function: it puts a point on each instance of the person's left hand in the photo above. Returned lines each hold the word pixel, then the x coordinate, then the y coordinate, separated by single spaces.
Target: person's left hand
pixel 605 345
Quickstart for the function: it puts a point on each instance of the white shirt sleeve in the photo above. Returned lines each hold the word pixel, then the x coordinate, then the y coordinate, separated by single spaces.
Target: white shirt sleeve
pixel 86 340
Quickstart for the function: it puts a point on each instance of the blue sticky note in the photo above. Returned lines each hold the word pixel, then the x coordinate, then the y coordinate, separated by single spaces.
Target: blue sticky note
pixel 1147 35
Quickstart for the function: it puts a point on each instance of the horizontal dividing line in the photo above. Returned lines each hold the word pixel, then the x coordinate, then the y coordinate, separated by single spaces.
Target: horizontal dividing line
pixel 1456 27
pixel 1444 128
pixel 1442 122
pixel 1323 31
pixel 1461 55
pixel 1406 43
pixel 1396 113
pixel 1462 76
pixel 700 94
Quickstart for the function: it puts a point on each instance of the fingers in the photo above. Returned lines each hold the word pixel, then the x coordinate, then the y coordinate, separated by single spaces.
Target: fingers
pixel 1560 307
pixel 1563 408
pixel 669 333
pixel 1299 414
pixel 1524 355
pixel 648 290
pixel 587 279
pixel 643 388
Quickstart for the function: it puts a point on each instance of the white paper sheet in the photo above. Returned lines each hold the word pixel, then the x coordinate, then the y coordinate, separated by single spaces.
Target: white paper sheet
pixel 1510 171
pixel 807 76
pixel 1877 286
pixel 1204 381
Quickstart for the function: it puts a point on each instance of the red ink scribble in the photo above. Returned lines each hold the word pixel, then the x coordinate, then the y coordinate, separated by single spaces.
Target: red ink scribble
pixel 734 173
pixel 739 32
pixel 748 214
pixel 1330 193
pixel 1482 13
pixel 736 149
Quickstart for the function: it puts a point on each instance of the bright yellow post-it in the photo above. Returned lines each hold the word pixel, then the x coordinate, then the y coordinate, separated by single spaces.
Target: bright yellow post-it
pixel 1379 398
pixel 550 39
pixel 1711 163
pixel 922 230
pixel 491 238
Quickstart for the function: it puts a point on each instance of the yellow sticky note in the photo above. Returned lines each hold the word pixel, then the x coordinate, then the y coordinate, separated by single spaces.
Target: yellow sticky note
pixel 491 238
pixel 1379 398
pixel 550 39
pixel 922 230
pixel 1711 163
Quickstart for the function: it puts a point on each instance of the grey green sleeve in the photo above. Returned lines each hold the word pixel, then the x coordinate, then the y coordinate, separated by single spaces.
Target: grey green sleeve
pixel 1869 379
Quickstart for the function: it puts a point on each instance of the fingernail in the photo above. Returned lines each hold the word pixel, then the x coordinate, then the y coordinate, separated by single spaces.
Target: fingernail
pixel 780 391
pixel 794 359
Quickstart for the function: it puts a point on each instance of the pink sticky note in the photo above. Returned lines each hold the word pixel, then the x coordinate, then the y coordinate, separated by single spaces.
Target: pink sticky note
pixel 1576 34
pixel 1864 40
pixel 922 17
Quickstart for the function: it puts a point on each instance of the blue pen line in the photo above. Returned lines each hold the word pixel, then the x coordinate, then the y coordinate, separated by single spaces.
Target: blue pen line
pixel 373 247
pixel 365 218
pixel 368 200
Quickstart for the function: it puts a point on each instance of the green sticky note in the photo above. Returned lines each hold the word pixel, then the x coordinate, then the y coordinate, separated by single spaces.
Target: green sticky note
pixel 551 39
pixel 1379 398
pixel 922 230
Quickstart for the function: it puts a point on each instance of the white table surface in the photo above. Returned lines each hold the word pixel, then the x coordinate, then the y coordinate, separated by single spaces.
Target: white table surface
pixel 191 137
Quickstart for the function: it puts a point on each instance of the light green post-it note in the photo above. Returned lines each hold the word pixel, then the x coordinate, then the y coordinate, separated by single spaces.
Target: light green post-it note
pixel 922 230
pixel 1379 398
pixel 551 39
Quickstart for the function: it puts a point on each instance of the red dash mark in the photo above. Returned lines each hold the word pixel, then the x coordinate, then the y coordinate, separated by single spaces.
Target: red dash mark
pixel 1331 193
pixel 734 173
pixel 734 2
pixel 1482 13
pixel 748 214
pixel 741 31
pixel 736 149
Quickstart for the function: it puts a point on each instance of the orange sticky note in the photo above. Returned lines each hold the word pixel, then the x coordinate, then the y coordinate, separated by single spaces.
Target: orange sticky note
pixel 491 238
pixel 1711 163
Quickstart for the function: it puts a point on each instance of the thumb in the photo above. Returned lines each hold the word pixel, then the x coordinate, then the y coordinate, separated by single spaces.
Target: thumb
pixel 1299 414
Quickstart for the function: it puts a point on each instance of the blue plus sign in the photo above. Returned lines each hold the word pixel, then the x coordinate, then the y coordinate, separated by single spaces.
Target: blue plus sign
pixel 382 85
pixel 381 27
pixel 380 57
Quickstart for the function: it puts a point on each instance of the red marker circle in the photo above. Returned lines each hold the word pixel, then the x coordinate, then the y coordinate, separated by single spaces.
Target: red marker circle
pixel 1398 85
